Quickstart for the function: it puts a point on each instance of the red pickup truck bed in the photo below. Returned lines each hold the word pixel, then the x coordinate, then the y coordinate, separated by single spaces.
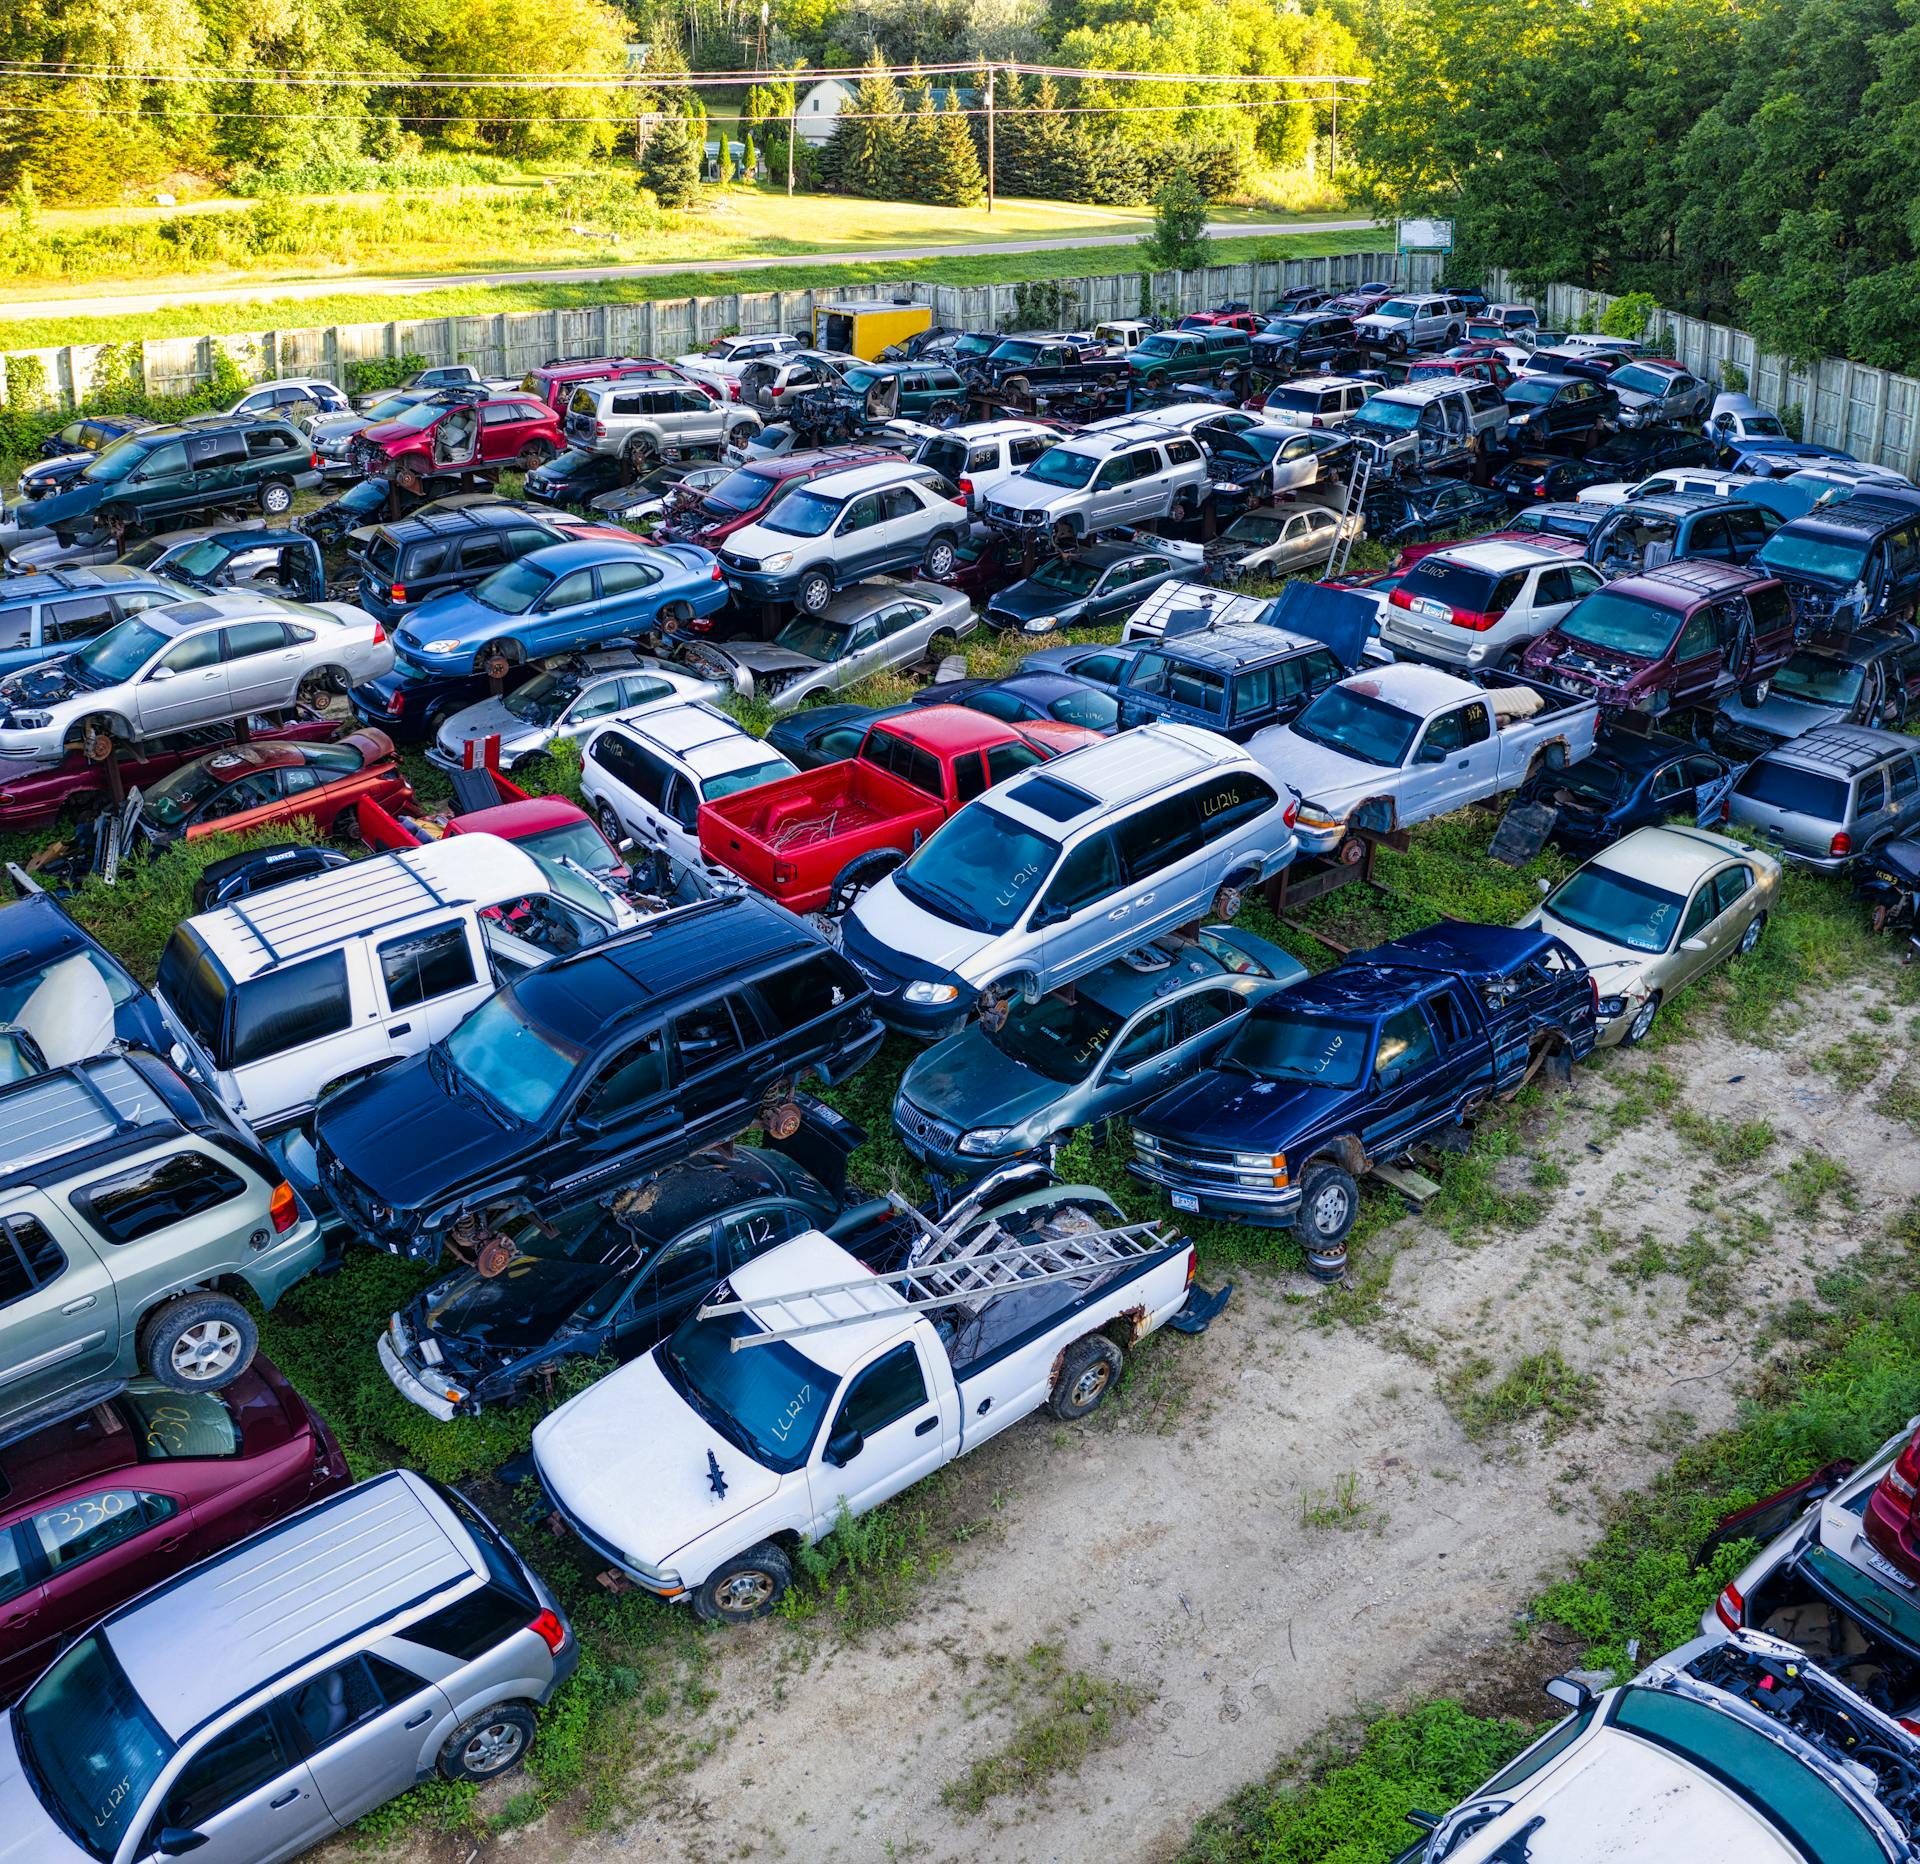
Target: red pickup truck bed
pixel 799 837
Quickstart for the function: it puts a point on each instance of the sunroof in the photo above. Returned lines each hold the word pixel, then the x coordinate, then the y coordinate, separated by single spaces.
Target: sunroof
pixel 1048 796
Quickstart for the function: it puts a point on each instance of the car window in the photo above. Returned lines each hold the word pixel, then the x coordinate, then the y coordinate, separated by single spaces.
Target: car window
pixel 254 637
pixel 801 992
pixel 1700 909
pixel 1089 873
pixel 624 578
pixel 13 1572
pixel 1406 1046
pixel 1159 835
pixel 428 964
pixel 232 1765
pixel 76 620
pixel 88 1525
pixel 295 1004
pixel 339 1700
pixel 705 1038
pixel 133 1204
pixel 1225 803
pixel 195 653
pixel 1008 760
pixel 1730 886
pixel 1906 779
pixel 860 514
pixel 1150 1036
pixel 569 591
pixel 635 1075
pixel 29 1258
pixel 1201 1010
pixel 890 1389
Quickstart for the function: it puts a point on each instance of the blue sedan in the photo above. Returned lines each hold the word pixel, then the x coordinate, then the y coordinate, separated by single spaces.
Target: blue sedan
pixel 559 599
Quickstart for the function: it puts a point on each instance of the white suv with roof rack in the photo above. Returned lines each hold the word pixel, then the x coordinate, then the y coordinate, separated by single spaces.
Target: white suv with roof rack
pixel 1318 400
pixel 298 990
pixel 1127 473
pixel 1480 605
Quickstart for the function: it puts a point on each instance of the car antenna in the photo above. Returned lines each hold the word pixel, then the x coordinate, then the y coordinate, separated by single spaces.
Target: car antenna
pixel 715 1480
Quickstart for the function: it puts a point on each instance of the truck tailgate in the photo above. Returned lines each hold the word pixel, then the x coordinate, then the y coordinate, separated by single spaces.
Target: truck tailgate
pixel 793 837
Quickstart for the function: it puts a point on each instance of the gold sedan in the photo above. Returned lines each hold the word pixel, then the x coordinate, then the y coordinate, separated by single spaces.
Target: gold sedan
pixel 1652 912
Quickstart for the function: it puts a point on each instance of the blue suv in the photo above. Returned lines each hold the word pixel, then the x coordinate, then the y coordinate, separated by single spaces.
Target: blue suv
pixel 58 610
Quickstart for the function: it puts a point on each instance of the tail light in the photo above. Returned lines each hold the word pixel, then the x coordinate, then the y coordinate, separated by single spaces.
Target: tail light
pixel 785 873
pixel 316 463
pixel 966 488
pixel 777 390
pixel 1842 843
pixel 733 391
pixel 1904 1477
pixel 1726 807
pixel 1730 1606
pixel 380 628
pixel 1400 599
pixel 1318 422
pixel 283 1208
pixel 1473 618
pixel 701 624
pixel 1593 991
pixel 397 592
pixel 600 429
pixel 1193 1264
pixel 552 1629
pixel 717 574
pixel 396 704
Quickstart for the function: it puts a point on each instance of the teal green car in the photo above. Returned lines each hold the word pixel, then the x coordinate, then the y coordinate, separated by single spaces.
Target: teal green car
pixel 903 390
pixel 1170 356
pixel 1121 1037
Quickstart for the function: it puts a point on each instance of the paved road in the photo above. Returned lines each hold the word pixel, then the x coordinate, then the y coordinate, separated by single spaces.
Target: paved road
pixel 109 302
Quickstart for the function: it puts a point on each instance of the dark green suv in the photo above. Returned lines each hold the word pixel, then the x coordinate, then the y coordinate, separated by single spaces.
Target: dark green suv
pixel 164 474
pixel 884 390
pixel 1169 356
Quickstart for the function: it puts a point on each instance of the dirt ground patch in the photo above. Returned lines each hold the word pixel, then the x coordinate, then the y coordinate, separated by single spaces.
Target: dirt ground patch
pixel 1292 1518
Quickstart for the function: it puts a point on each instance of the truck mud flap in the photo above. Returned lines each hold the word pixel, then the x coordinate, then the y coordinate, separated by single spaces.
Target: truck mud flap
pixel 1197 1312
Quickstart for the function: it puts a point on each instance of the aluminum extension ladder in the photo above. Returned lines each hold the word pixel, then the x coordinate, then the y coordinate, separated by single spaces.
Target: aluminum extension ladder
pixel 1359 478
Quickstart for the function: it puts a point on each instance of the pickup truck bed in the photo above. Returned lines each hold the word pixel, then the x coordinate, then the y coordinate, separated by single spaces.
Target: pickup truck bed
pixel 799 838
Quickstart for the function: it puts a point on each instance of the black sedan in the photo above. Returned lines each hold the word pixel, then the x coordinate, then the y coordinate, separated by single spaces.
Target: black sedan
pixel 825 734
pixel 1414 511
pixel 1096 584
pixel 1638 451
pixel 1031 696
pixel 1544 408
pixel 1533 476
pixel 1630 780
pixel 575 477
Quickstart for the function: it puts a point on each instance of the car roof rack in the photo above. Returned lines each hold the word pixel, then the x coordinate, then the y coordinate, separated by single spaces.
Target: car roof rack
pixel 289 924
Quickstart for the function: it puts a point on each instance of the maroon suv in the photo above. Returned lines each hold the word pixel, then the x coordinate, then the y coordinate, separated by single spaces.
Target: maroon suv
pixel 106 1504
pixel 1684 635
pixel 457 429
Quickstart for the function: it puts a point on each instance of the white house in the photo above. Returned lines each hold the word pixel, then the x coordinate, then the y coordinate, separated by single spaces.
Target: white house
pixel 818 106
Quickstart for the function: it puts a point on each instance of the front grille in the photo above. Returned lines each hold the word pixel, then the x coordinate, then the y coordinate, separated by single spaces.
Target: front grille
pixel 734 561
pixel 1008 514
pixel 918 1124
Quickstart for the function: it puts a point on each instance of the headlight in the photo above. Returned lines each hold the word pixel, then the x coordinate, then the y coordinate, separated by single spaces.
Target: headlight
pixel 986 1139
pixel 1316 815
pixel 440 647
pixel 924 990
pixel 1261 1161
pixel 1040 624
pixel 1610 1007
pixel 29 721
pixel 778 561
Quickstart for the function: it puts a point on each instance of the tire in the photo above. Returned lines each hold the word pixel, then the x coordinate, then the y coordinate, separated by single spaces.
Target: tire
pixel 1182 512
pixel 1329 1205
pixel 199 1343
pixel 741 435
pixel 1088 1369
pixel 497 659
pixel 939 560
pixel 610 826
pixel 746 1588
pixel 1751 936
pixel 1156 379
pixel 489 1744
pixel 276 498
pixel 814 593
pixel 1643 1020
pixel 535 453
pixel 1397 343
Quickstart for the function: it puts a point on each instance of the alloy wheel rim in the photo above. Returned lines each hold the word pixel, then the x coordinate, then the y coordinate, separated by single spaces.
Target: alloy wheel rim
pixel 1091 1383
pixel 745 1592
pixel 1329 1209
pixel 206 1350
pixel 495 1746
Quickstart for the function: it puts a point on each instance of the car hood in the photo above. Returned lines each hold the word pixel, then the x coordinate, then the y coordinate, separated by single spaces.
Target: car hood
pixel 391 433
pixel 458 615
pixel 627 1459
pixel 1223 1108
pixel 722 657
pixel 1319 774
pixel 489 718
pixel 79 500
pixel 1613 963
pixel 450 1134
pixel 1635 397
pixel 1025 600
pixel 336 426
pixel 967 1080
pixel 905 938
pixel 1030 495
pixel 1781 717
pixel 515 1311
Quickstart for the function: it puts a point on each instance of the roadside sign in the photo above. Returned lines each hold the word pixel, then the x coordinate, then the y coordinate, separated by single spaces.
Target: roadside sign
pixel 1425 235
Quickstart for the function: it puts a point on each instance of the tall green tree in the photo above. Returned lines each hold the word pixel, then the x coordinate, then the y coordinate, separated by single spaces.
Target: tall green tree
pixel 1178 242
pixel 863 152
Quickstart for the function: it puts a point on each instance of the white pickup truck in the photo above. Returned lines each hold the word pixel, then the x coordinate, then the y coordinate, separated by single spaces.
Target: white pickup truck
pixel 809 1388
pixel 1392 746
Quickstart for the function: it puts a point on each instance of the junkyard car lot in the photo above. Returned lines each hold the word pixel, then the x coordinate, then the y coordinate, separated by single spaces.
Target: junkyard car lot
pixel 1207 1498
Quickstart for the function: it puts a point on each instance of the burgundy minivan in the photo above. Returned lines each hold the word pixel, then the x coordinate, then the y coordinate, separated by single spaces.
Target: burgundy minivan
pixel 106 1504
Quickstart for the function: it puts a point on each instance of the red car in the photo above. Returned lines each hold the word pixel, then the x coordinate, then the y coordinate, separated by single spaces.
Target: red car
pixel 99 1508
pixel 545 825
pixel 1475 368
pixel 1892 1531
pixel 742 497
pixel 458 430
pixel 1249 321
pixel 38 796
pixel 248 785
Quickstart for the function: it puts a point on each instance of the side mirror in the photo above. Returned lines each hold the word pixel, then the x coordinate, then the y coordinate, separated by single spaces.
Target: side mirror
pixel 1693 944
pixel 1543 887
pixel 1430 754
pixel 1427 1821
pixel 1119 1077
pixel 172 1842
pixel 1571 1694
pixel 1389 1076
pixel 592 1124
pixel 843 1446
pixel 161 673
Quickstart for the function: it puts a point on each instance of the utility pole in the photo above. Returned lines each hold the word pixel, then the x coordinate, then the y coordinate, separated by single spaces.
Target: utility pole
pixel 1333 156
pixel 989 139
pixel 793 99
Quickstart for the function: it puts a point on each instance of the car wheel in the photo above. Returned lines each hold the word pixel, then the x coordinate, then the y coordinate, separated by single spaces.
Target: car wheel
pixel 1088 1369
pixel 1643 1020
pixel 677 614
pixel 746 1588
pixel 1398 343
pixel 200 1343
pixel 276 498
pixel 489 1744
pixel 1329 1204
pixel 741 435
pixel 535 453
pixel 1751 936
pixel 947 410
pixel 939 559
pixel 815 592
pixel 610 826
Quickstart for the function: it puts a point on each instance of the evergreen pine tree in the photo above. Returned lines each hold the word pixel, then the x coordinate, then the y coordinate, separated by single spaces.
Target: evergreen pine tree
pixel 670 162
pixel 918 143
pixel 750 162
pixel 863 151
pixel 724 170
pixel 955 179
pixel 1012 133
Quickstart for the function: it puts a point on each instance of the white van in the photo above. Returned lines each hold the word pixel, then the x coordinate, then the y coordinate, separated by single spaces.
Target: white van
pixel 296 990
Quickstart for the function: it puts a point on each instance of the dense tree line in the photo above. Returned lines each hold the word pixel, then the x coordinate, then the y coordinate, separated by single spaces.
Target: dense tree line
pixel 1757 163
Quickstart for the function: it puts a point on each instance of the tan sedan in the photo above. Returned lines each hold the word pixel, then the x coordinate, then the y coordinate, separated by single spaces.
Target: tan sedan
pixel 1652 912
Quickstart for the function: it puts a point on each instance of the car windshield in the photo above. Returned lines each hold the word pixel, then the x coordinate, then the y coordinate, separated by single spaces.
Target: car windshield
pixel 510 1062
pixel 1350 719
pixel 514 589
pixel 818 639
pixel 976 343
pixel 1641 381
pixel 1765 426
pixel 574 841
pixel 1255 528
pixel 393 405
pixel 1063 466
pixel 177 795
pixel 1532 388
pixel 1067 573
pixel 90 1745
pixel 1159 344
pixel 1277 1042
pixel 199 559
pixel 1819 679
pixel 737 492
pixel 1017 352
pixel 1395 416
pixel 114 462
pixel 543 698
pixel 768 1401
pixel 1618 624
pixel 802 514
pixel 420 414
pixel 118 654
pixel 1824 559
pixel 980 870
pixel 750 776
pixel 1062 1035
pixel 1616 907
pixel 1398 307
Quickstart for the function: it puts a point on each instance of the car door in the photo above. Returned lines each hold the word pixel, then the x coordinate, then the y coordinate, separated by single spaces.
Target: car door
pixel 1086 908
pixel 1696 923
pixel 859 538
pixel 639 805
pixel 428 981
pixel 216 474
pixel 564 616
pixel 1170 862
pixel 263 666
pixel 905 524
pixel 628 1101
pixel 716 1092
pixel 365 1727
pixel 667 1289
pixel 246 1794
pixel 59 1314
pixel 1440 775
pixel 1402 1090
pixel 884 1437
pixel 1697 658
pixel 627 598
pixel 187 685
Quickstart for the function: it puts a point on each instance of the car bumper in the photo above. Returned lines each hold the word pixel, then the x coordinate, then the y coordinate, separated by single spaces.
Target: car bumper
pixel 764 585
pixel 1436 647
pixel 1265 1209
pixel 928 1022
pixel 1319 840
pixel 279 1267
pixel 409 1384
pixel 22 751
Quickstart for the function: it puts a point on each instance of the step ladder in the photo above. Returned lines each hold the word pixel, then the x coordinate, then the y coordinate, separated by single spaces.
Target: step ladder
pixel 1359 478
pixel 947 1267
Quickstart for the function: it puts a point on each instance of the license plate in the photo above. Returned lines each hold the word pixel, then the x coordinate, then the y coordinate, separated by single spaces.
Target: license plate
pixel 1184 1200
pixel 1885 1568
pixel 1434 611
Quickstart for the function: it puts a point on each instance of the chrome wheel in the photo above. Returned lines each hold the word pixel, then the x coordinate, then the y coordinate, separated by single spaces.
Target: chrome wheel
pixel 1328 1211
pixel 744 1593
pixel 1091 1383
pixel 493 1748
pixel 1751 936
pixel 1643 1020
pixel 206 1352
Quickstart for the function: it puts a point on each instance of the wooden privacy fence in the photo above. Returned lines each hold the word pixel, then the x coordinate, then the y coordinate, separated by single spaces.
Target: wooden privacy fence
pixel 508 343
pixel 1873 414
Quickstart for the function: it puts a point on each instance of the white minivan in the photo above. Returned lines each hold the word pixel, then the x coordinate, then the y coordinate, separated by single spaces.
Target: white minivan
pixel 297 990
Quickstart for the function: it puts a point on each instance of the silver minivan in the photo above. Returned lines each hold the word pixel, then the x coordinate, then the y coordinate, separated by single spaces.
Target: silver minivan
pixel 267 1698
pixel 1831 794
pixel 1066 868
